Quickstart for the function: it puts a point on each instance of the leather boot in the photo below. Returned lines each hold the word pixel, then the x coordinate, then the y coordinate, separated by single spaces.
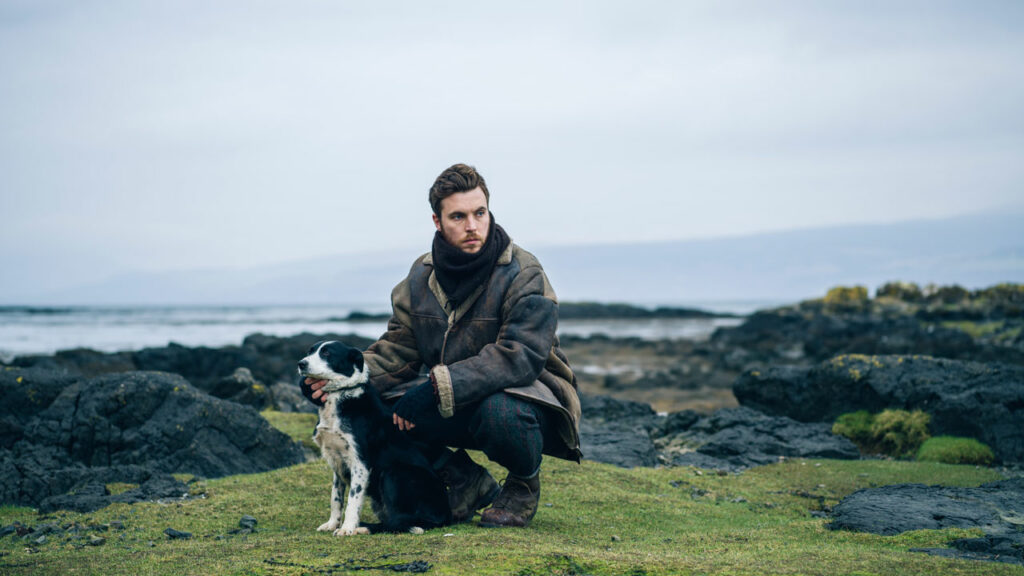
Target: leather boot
pixel 470 486
pixel 515 505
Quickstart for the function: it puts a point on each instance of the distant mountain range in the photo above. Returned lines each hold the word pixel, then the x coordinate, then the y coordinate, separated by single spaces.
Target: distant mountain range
pixel 973 251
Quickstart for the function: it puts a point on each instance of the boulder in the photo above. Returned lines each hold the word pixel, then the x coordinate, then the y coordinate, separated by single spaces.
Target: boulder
pixel 288 398
pixel 738 438
pixel 996 508
pixel 609 409
pixel 975 400
pixel 154 421
pixel 620 444
pixel 630 434
pixel 24 392
pixel 617 431
pixel 241 387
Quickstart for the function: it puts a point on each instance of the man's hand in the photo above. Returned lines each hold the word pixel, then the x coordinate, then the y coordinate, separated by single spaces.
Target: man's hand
pixel 311 389
pixel 403 424
pixel 414 404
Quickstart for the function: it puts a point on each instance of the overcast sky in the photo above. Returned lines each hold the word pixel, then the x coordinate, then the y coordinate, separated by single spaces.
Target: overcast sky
pixel 169 135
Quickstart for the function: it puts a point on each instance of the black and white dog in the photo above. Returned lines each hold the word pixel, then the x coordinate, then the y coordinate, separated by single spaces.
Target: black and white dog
pixel 368 453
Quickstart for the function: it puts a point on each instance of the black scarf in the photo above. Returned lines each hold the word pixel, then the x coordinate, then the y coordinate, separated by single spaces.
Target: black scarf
pixel 460 273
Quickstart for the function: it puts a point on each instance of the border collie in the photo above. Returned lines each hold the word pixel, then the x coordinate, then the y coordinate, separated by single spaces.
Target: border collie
pixel 368 453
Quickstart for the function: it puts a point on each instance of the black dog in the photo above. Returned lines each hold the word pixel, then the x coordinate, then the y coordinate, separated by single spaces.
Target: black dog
pixel 368 453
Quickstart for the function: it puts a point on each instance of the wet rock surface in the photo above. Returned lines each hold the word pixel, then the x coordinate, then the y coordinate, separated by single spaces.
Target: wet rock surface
pixel 997 508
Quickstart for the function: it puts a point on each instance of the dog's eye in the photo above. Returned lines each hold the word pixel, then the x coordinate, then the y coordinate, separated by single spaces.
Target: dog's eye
pixel 325 354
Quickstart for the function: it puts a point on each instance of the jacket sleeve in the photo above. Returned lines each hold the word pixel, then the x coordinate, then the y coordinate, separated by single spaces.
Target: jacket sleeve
pixel 394 358
pixel 516 358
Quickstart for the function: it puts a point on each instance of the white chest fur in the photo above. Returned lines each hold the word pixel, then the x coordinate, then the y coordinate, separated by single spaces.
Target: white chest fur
pixel 334 442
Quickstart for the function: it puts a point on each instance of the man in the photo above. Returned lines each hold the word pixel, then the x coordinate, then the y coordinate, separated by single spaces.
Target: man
pixel 478 314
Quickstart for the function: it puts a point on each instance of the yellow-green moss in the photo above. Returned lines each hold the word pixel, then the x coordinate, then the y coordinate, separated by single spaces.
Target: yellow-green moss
pixel 847 295
pixel 896 433
pixel 120 487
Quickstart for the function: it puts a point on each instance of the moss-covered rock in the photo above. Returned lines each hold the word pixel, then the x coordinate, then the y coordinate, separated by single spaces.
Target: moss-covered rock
pixel 896 433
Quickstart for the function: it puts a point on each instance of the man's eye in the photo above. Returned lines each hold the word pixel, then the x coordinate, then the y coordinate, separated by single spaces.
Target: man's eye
pixel 480 213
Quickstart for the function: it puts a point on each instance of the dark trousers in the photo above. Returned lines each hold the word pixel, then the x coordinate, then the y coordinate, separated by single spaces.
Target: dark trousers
pixel 510 431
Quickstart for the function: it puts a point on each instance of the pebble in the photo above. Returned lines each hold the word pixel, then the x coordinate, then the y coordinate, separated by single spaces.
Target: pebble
pixel 248 522
pixel 177 535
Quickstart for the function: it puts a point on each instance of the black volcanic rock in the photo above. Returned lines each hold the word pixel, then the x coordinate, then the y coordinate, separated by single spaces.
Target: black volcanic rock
pixel 982 401
pixel 616 443
pixel 269 360
pixel 995 508
pixel 610 409
pixel 947 322
pixel 112 427
pixel 630 434
pixel 92 494
pixel 738 438
pixel 815 333
pixel 24 392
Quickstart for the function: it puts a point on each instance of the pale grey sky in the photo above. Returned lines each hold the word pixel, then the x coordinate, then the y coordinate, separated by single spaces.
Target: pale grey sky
pixel 169 135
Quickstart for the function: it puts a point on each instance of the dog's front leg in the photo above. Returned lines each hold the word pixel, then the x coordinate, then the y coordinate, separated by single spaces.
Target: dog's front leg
pixel 336 495
pixel 356 495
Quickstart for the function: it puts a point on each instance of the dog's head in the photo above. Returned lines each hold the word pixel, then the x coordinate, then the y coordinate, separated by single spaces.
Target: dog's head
pixel 336 362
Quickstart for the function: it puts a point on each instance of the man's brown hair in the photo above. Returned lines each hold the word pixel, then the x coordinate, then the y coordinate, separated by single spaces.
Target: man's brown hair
pixel 457 178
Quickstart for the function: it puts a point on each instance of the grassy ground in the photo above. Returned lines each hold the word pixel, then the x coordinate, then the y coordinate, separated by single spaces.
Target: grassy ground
pixel 594 519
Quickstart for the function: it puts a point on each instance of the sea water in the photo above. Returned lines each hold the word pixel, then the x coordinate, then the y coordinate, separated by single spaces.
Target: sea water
pixel 45 330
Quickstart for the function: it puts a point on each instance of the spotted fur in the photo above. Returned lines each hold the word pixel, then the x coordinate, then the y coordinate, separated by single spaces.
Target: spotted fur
pixel 367 453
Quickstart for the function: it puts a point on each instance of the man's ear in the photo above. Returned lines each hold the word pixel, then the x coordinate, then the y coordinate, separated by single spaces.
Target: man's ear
pixel 437 222
pixel 356 358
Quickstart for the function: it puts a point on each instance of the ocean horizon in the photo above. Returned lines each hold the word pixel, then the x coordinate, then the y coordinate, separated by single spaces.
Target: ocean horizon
pixel 45 330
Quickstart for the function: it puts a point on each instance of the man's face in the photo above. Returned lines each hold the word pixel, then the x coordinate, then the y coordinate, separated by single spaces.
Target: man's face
pixel 465 220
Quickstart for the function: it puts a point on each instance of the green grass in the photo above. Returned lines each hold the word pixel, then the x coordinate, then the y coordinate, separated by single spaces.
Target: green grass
pixel 297 425
pixel 593 519
pixel 955 450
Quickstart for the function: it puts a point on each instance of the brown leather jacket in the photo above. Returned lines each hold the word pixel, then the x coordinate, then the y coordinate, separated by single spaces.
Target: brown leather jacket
pixel 501 338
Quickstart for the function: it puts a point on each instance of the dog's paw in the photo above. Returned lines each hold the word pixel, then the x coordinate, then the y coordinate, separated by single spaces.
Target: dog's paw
pixel 416 530
pixel 351 531
pixel 328 526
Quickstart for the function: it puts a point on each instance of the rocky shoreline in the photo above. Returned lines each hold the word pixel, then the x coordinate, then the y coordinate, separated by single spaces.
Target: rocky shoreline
pixel 754 394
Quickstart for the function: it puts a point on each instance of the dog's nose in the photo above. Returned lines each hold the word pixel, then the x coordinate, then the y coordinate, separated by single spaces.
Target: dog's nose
pixel 302 365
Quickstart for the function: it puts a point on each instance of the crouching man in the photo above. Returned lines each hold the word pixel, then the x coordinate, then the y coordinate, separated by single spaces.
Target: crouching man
pixel 477 312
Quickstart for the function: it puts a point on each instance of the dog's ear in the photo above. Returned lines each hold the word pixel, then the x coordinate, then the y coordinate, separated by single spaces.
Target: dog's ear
pixel 356 358
pixel 315 346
